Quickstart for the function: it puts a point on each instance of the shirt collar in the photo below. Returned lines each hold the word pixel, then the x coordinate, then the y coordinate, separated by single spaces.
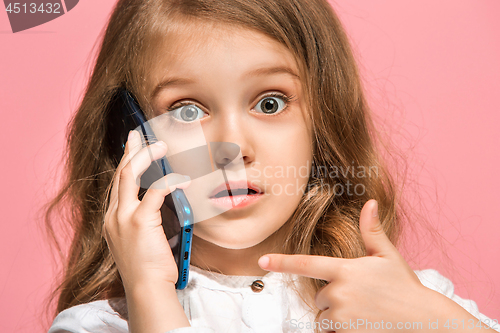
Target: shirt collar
pixel 218 281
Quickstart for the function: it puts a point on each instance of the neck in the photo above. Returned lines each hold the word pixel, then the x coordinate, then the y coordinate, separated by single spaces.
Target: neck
pixel 211 257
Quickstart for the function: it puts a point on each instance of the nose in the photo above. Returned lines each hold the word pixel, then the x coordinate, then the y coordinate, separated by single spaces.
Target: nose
pixel 232 136
pixel 224 153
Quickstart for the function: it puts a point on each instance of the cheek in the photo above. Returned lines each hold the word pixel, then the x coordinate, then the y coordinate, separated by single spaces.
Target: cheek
pixel 289 155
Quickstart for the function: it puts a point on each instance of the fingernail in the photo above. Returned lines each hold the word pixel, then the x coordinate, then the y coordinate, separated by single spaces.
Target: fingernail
pixel 132 136
pixel 375 209
pixel 161 144
pixel 187 178
pixel 263 261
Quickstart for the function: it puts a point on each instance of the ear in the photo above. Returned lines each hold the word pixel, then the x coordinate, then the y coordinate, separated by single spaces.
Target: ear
pixel 376 241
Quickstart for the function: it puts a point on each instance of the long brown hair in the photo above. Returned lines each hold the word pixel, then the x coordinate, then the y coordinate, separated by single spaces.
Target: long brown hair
pixel 324 223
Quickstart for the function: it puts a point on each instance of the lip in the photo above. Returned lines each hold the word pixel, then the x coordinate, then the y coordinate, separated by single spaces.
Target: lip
pixel 238 201
pixel 233 185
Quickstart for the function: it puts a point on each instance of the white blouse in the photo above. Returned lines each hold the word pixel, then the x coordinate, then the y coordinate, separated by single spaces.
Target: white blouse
pixel 216 303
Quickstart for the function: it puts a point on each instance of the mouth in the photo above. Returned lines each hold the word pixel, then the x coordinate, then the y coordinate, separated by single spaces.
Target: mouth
pixel 235 194
pixel 235 188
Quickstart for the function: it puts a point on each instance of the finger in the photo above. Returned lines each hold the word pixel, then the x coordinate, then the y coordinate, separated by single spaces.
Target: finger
pixel 155 195
pixel 128 188
pixel 132 146
pixel 376 241
pixel 317 267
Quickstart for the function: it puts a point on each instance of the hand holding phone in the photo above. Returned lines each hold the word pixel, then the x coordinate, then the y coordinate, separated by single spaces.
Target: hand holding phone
pixel 132 227
pixel 160 207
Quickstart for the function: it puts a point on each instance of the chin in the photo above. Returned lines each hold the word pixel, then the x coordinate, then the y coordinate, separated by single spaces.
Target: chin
pixel 242 240
pixel 235 245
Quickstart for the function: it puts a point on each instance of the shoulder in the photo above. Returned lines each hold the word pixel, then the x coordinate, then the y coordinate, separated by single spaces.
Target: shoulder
pixel 432 279
pixel 96 316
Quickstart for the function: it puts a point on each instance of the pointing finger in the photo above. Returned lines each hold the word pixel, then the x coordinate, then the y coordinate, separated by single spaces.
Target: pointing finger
pixel 317 267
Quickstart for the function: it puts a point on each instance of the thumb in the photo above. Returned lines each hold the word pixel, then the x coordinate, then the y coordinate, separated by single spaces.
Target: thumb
pixel 374 237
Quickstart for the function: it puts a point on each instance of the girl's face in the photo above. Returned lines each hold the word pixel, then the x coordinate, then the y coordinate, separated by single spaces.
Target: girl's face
pixel 240 80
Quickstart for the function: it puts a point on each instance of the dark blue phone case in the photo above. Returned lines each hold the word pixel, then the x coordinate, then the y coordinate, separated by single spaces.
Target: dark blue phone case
pixel 126 116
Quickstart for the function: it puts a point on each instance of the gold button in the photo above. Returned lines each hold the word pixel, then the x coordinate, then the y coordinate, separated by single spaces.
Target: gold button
pixel 257 286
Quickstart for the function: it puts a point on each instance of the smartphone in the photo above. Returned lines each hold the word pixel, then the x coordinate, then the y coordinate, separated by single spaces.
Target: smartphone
pixel 124 115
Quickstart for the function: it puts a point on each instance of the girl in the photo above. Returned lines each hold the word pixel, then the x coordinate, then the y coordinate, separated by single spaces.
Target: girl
pixel 311 251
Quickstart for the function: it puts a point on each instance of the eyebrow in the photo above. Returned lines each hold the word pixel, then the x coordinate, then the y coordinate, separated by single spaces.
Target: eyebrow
pixel 273 70
pixel 178 81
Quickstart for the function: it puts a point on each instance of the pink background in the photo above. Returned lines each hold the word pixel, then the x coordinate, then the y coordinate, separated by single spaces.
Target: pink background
pixel 431 68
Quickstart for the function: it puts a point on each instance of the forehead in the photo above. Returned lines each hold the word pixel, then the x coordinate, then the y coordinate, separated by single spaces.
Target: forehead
pixel 195 49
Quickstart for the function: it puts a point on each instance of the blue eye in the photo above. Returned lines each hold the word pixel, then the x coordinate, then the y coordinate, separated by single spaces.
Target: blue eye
pixel 187 113
pixel 272 104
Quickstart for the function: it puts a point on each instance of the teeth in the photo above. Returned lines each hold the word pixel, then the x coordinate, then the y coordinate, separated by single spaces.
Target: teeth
pixel 239 191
